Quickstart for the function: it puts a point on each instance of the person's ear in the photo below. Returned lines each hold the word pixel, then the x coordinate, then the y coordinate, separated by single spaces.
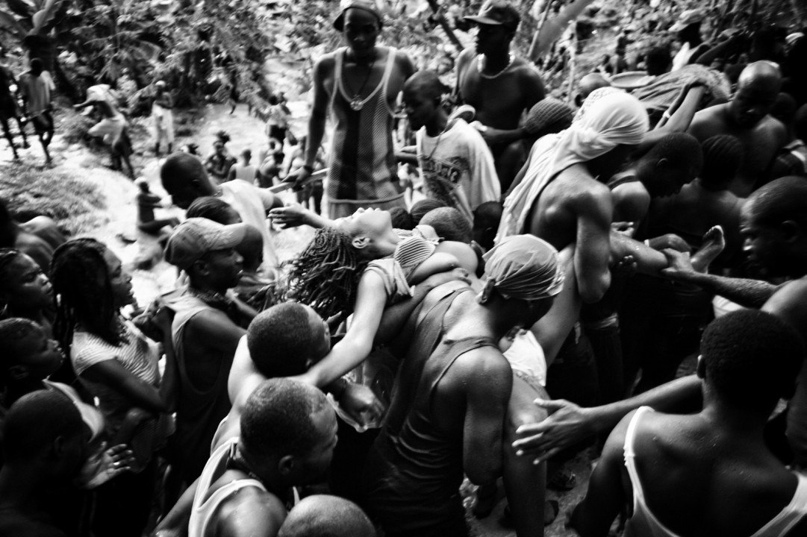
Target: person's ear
pixel 201 267
pixel 662 164
pixel 18 372
pixel 360 242
pixel 701 367
pixel 286 465
pixel 487 292
pixel 578 100
pixel 791 230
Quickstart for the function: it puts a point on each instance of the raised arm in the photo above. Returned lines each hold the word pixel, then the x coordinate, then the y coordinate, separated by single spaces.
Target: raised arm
pixel 745 292
pixel 593 245
pixel 354 348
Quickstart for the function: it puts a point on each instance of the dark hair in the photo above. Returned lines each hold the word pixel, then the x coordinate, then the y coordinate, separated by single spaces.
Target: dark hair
pixel 680 149
pixel 179 170
pixel 488 215
pixel 781 200
pixel 401 219
pixel 280 339
pixel 427 82
pixel 449 224
pixel 751 359
pixel 326 516
pixel 13 332
pixel 276 419
pixel 657 61
pixel 722 156
pixel 24 435
pixel 326 274
pixel 212 208
pixel 422 207
pixel 81 298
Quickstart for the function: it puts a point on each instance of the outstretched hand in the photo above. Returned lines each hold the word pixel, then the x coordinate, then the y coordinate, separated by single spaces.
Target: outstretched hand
pixel 566 425
pixel 106 465
pixel 291 215
pixel 679 264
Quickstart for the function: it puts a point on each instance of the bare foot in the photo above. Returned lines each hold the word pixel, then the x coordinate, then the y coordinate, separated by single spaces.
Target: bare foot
pixel 713 243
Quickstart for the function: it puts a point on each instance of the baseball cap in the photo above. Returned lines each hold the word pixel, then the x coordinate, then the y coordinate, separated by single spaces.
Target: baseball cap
pixel 497 13
pixel 90 415
pixel 366 5
pixel 690 16
pixel 195 237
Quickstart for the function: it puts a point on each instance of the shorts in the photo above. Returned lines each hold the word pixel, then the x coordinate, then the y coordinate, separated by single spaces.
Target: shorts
pixel 42 122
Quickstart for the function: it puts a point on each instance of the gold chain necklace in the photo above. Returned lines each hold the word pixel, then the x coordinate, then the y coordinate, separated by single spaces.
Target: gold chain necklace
pixel 480 66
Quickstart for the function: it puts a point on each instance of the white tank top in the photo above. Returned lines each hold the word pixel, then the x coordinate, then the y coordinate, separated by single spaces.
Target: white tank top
pixel 203 508
pixel 644 523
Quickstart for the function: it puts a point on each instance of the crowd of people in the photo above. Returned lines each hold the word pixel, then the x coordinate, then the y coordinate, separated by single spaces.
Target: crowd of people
pixel 627 273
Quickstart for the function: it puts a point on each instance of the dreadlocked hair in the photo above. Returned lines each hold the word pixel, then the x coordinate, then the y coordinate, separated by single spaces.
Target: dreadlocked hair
pixel 81 298
pixel 326 274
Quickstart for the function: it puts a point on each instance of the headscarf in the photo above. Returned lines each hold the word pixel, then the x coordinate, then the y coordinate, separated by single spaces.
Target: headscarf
pixel 613 119
pixel 524 267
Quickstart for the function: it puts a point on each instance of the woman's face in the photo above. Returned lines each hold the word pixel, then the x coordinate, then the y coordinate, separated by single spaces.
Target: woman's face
pixel 119 280
pixel 26 287
pixel 371 223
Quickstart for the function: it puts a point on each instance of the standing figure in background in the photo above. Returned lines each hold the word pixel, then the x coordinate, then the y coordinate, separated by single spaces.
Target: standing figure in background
pixel 36 86
pixel 163 117
pixel 243 170
pixel 498 84
pixel 112 128
pixel 8 109
pixel 359 85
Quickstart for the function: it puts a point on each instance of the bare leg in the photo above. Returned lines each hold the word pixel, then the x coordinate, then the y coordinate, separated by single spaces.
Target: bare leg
pixel 10 138
pixel 524 482
pixel 713 243
pixel 21 126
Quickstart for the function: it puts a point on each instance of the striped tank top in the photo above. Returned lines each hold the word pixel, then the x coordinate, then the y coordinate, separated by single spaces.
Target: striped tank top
pixel 361 163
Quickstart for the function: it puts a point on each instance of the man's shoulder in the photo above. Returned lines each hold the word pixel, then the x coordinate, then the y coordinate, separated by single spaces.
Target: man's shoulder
pixel 250 510
pixel 769 126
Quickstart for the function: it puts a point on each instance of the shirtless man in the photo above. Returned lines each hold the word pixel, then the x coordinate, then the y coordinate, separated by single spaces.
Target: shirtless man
pixel 709 473
pixel 747 118
pixel 775 231
pixel 206 329
pixel 359 86
pixel 288 433
pixel 499 85
pixel 447 412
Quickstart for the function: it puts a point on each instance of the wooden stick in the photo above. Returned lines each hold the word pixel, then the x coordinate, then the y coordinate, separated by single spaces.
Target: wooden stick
pixel 544 15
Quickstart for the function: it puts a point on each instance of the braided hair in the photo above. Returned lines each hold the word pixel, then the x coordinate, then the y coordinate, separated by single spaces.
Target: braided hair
pixel 81 298
pixel 326 274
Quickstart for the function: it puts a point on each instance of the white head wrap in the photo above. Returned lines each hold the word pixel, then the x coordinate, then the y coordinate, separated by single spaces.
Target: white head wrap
pixel 524 267
pixel 616 118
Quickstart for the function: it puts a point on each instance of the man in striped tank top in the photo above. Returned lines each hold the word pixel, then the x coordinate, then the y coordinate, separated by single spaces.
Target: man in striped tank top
pixel 358 86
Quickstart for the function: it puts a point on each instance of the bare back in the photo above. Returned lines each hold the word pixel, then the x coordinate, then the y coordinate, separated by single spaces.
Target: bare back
pixel 699 480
